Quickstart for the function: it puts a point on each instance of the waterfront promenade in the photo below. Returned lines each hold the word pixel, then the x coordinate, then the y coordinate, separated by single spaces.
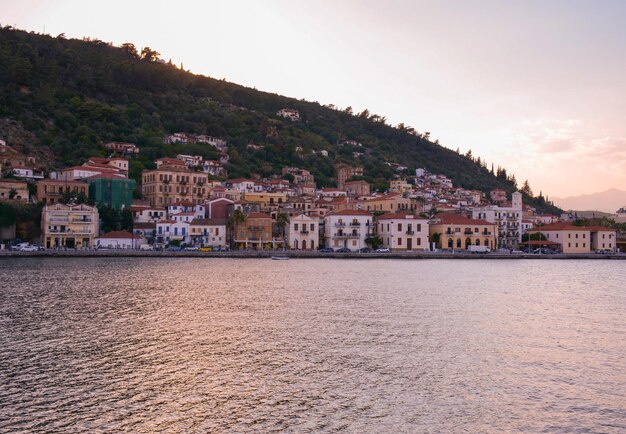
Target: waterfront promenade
pixel 300 254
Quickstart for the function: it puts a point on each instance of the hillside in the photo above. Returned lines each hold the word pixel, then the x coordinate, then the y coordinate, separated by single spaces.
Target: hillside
pixel 74 95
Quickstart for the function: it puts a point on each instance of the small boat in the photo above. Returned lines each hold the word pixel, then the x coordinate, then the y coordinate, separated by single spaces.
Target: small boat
pixel 280 258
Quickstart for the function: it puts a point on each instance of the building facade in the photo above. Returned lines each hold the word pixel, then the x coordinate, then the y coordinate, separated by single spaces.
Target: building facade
pixel 347 229
pixel 403 232
pixel 171 184
pixel 303 232
pixel 69 226
pixel 457 232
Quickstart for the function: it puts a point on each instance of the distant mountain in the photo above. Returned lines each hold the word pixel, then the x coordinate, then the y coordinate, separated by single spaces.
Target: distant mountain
pixel 607 201
pixel 71 96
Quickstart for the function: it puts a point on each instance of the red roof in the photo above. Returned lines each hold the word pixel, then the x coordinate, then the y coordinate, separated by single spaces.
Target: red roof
pixel 350 212
pixel 144 225
pixel 567 226
pixel 117 234
pixel 399 216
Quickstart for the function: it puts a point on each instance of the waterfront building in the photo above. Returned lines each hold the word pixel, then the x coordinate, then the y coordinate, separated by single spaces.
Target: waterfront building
pixel 256 232
pixel 508 220
pixel 347 229
pixel 118 240
pixel 403 232
pixel 171 230
pixel 454 231
pixel 266 201
pixel 71 226
pixel 208 232
pixel 578 239
pixel 303 232
pixel 51 191
pixel 13 189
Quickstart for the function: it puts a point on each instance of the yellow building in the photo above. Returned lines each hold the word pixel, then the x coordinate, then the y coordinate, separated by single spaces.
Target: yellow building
pixel 171 184
pixel 578 239
pixel 390 203
pixel 12 189
pixel 266 201
pixel 256 232
pixel 71 226
pixel 454 231
pixel 400 186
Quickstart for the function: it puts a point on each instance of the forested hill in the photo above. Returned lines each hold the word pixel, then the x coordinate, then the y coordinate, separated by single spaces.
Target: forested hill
pixel 72 96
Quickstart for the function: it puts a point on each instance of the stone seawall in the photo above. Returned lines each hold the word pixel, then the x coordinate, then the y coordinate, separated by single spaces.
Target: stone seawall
pixel 293 254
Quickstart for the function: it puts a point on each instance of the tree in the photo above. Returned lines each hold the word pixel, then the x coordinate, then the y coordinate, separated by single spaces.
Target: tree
pixel 526 189
pixel 149 54
pixel 238 217
pixel 374 241
pixel 12 193
pixel 130 49
pixel 282 220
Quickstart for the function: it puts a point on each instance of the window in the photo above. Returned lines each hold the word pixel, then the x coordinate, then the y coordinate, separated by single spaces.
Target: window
pixel 419 241
pixel 399 227
pixel 312 227
pixel 419 228
pixel 295 226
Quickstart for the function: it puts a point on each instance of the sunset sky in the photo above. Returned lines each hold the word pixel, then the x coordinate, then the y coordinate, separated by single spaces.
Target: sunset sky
pixel 537 87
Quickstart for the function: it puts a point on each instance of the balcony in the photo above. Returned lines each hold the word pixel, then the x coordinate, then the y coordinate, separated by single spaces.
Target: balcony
pixel 344 235
pixel 468 232
pixel 304 231
pixel 355 224
pixel 340 225
pixel 410 232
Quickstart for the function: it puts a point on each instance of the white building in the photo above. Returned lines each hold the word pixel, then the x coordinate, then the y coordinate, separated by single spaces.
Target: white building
pixel 347 229
pixel 303 232
pixel 403 232
pixel 208 233
pixel 26 173
pixel 147 214
pixel 170 230
pixel 508 220
pixel 290 114
pixel 190 160
pixel 118 240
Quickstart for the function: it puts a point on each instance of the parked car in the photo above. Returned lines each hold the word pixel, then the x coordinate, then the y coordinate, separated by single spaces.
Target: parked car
pixel 29 248
pixel 327 250
pixel 191 249
pixel 146 247
pixel 173 249
pixel 365 250
pixel 205 249
pixel 383 250
pixel 343 250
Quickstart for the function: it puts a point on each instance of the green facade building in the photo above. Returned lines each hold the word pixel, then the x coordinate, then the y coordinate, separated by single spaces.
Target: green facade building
pixel 114 192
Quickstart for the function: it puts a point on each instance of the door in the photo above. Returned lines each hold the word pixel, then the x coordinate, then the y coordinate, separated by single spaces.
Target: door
pixel 409 243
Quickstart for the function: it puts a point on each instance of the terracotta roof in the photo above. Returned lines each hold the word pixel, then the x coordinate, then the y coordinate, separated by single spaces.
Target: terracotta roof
pixel 457 219
pixel 184 214
pixel 117 234
pixel 181 203
pixel 399 216
pixel 144 225
pixel 567 226
pixel 350 212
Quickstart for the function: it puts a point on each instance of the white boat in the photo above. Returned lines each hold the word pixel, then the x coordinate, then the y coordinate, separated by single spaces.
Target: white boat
pixel 280 258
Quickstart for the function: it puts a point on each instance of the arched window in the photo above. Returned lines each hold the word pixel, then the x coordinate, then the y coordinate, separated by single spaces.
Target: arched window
pixel 478 242
pixel 468 242
pixel 450 243
pixel 458 243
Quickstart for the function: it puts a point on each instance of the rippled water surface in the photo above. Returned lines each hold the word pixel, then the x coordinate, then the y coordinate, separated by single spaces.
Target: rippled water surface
pixel 211 345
